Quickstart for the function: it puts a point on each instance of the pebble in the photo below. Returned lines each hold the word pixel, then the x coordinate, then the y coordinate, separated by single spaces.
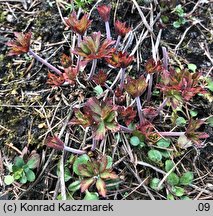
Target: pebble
pixel 10 18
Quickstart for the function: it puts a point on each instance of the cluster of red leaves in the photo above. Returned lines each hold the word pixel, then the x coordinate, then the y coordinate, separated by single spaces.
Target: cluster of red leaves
pixel 55 143
pixel 100 78
pixel 180 86
pixel 121 28
pixel 120 60
pixel 100 116
pixel 151 66
pixel 21 44
pixel 127 114
pixel 104 12
pixel 78 26
pixel 135 87
pixel 96 171
pixel 92 48
pixel 69 75
pixel 147 130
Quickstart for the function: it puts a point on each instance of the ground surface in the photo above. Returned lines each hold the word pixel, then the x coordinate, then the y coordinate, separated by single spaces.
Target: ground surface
pixel 30 109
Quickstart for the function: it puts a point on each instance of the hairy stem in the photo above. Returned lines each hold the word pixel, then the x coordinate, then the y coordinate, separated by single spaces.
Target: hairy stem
pixel 149 93
pixel 92 71
pixel 43 61
pixel 74 151
pixel 140 112
pixel 108 30
pixel 118 42
pixel 122 78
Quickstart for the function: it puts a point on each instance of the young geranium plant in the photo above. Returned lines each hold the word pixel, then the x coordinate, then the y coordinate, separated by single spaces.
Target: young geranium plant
pixel 120 60
pixel 94 171
pixel 152 67
pixel 91 48
pixel 121 30
pixel 100 116
pixel 104 12
pixel 136 87
pixel 193 135
pixel 22 45
pixel 181 86
pixel 79 26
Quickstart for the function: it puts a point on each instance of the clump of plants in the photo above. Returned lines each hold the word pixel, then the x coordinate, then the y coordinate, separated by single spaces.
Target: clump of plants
pixel 111 114
pixel 22 169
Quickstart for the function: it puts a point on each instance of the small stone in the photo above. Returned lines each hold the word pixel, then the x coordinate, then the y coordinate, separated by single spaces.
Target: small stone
pixel 10 18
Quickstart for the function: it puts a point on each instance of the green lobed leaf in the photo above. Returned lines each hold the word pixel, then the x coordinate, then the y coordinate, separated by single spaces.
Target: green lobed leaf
pixel 178 191
pixel 173 179
pixel 134 141
pixel 91 196
pixel 19 162
pixel 169 164
pixel 186 178
pixel 180 121
pixel 165 143
pixel 8 180
pixel 192 67
pixel 98 90
pixel 210 121
pixel 193 113
pixel 109 162
pixel 67 174
pixel 154 184
pixel 210 84
pixel 83 159
pixel 30 176
pixel 76 185
pixel 155 155
pixel 170 197
pixel 23 178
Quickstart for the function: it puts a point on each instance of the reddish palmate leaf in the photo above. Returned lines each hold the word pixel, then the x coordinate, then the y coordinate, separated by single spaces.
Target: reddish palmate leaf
pixel 99 115
pixel 96 171
pixel 180 86
pixel 101 186
pixel 66 61
pixel 193 135
pixel 135 87
pixel 121 28
pixel 92 48
pixel 128 114
pixel 21 44
pixel 83 119
pixel 55 80
pixel 150 112
pixel 120 60
pixel 104 12
pixel 78 26
pixel 151 66
pixel 54 142
pixel 85 184
pixel 145 128
pixel 70 74
pixel 100 78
